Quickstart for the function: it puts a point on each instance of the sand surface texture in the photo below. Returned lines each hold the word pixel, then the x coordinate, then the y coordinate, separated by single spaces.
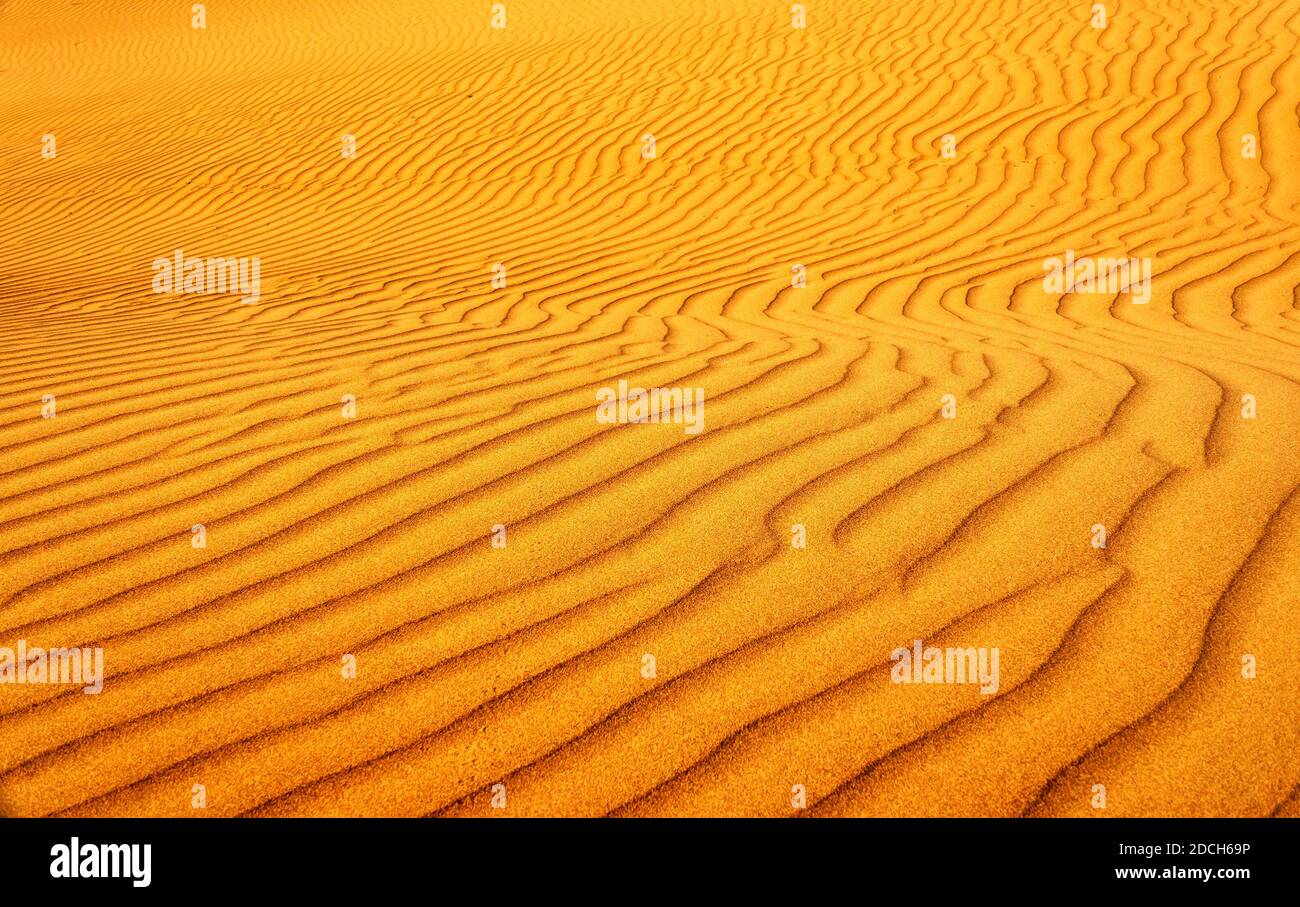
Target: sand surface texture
pixel 1173 423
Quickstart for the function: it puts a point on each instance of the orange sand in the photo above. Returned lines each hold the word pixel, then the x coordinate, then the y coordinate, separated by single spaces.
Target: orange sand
pixel 522 665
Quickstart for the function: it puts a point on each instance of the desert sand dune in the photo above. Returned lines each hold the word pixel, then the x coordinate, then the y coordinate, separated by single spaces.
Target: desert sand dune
pixel 839 229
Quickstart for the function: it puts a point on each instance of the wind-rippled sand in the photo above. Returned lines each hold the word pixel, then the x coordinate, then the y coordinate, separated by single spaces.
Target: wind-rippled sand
pixel 775 146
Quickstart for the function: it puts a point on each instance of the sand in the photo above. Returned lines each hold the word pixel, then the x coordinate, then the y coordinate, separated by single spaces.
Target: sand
pixel 352 639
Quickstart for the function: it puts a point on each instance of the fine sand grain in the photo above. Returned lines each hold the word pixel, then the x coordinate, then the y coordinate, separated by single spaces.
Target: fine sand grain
pixel 475 406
